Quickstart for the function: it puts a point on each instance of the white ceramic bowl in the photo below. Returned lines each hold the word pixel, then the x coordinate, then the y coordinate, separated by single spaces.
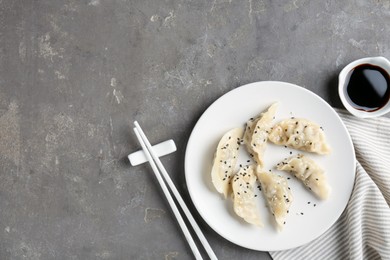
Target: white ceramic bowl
pixel 344 78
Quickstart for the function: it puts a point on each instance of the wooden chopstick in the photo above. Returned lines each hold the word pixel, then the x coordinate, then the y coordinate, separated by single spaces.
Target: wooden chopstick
pixel 149 151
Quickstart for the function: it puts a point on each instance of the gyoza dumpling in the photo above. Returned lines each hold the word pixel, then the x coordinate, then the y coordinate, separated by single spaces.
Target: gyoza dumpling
pixel 225 159
pixel 256 133
pixel 243 196
pixel 300 134
pixel 277 194
pixel 306 170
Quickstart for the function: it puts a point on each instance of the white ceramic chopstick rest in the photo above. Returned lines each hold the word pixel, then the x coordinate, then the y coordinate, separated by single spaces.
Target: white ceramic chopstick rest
pixel 160 149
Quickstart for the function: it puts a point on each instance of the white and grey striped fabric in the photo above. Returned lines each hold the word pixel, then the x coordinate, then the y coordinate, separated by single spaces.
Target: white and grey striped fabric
pixel 363 230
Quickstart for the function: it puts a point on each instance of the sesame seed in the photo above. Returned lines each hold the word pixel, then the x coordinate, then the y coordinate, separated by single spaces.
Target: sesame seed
pixel 301 213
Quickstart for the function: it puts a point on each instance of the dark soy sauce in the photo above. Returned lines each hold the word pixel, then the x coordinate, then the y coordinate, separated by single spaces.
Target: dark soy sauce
pixel 368 87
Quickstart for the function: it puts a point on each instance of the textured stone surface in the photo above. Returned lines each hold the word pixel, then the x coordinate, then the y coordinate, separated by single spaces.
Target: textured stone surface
pixel 74 75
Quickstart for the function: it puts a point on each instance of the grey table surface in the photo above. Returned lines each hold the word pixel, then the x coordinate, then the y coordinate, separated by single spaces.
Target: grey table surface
pixel 74 75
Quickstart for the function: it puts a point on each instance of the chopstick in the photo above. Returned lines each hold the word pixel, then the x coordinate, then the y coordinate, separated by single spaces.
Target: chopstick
pixel 154 160
pixel 176 212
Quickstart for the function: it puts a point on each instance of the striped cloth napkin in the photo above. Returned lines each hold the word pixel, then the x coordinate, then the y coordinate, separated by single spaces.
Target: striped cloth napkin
pixel 363 230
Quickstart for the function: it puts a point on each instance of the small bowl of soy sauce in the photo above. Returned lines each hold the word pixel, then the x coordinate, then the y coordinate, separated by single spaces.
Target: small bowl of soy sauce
pixel 364 87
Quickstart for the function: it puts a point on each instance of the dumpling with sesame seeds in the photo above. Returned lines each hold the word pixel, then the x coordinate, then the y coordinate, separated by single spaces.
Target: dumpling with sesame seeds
pixel 256 133
pixel 244 203
pixel 309 172
pixel 225 159
pixel 277 194
pixel 301 134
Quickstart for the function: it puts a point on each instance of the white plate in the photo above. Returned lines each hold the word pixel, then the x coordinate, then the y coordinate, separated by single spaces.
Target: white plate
pixel 234 109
